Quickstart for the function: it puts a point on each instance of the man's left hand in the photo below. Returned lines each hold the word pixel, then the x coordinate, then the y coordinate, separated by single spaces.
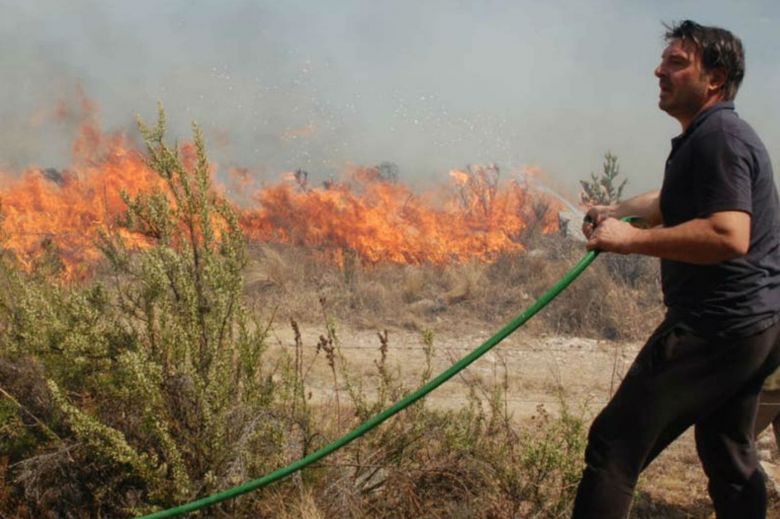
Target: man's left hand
pixel 613 235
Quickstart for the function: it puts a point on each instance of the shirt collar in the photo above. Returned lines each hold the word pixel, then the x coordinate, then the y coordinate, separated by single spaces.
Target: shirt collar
pixel 699 119
pixel 702 116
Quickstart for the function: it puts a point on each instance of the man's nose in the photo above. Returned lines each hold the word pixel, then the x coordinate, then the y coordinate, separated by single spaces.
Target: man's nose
pixel 658 71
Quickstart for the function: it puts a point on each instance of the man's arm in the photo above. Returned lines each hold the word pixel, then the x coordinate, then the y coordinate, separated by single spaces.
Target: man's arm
pixel 718 237
pixel 646 206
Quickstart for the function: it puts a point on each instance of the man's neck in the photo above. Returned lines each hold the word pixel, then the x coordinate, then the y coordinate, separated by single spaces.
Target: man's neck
pixel 685 121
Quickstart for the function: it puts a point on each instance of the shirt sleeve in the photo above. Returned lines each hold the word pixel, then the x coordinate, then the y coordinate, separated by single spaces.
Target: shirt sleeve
pixel 722 175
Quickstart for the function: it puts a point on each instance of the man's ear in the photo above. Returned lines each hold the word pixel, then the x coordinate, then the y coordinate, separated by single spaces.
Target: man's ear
pixel 717 79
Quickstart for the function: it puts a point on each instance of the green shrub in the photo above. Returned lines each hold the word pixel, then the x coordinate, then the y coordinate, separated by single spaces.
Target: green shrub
pixel 154 371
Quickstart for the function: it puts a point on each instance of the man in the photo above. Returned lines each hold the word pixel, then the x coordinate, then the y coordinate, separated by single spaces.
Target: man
pixel 716 228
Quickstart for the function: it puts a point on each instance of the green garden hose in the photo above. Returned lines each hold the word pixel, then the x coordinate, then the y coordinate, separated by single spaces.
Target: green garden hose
pixel 377 419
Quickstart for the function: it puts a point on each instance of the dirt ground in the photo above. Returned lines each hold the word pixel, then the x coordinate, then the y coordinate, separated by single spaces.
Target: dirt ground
pixel 541 370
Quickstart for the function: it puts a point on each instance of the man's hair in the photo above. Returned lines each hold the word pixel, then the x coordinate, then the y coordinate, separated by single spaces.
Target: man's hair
pixel 718 48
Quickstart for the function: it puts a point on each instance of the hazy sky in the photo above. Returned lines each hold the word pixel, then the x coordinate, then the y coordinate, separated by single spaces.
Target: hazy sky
pixel 429 85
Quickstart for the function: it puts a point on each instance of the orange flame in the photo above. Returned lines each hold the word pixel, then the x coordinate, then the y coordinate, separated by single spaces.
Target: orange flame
pixel 66 208
pixel 382 221
pixel 367 215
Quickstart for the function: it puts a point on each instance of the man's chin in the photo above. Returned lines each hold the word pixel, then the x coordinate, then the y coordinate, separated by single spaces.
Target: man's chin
pixel 664 103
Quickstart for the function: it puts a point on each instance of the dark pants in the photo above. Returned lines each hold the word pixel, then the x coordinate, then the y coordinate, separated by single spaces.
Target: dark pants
pixel 680 379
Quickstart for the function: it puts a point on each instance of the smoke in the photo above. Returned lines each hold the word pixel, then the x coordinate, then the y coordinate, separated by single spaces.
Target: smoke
pixel 426 85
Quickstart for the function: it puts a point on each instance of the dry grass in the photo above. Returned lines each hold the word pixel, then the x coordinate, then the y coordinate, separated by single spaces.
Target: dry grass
pixel 617 298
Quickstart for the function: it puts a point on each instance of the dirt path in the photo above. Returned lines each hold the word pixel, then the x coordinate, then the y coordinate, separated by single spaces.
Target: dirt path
pixel 538 369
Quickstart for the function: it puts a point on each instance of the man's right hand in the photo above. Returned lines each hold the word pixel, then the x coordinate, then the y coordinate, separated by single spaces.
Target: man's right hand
pixel 594 217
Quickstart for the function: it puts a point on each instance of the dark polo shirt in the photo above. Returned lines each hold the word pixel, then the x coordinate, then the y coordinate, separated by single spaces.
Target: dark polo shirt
pixel 720 164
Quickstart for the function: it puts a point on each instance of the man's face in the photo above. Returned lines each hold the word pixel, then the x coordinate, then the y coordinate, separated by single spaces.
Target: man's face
pixel 685 86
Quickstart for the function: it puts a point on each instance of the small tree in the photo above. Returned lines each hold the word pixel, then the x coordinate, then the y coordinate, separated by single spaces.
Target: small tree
pixel 478 186
pixel 302 180
pixel 388 172
pixel 600 189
